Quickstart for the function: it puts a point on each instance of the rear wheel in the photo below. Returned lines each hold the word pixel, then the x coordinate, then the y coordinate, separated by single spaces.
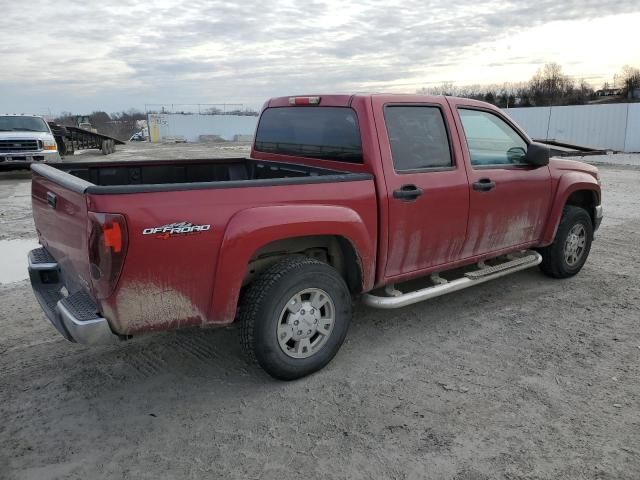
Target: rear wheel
pixel 294 317
pixel 569 251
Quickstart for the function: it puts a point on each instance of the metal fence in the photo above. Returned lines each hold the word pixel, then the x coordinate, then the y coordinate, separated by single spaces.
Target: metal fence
pixel 200 108
pixel 195 128
pixel 608 127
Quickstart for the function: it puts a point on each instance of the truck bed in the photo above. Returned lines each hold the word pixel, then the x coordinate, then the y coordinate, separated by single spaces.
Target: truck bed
pixel 162 175
pixel 190 277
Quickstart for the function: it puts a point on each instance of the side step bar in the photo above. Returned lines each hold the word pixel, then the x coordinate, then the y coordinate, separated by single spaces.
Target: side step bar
pixel 531 259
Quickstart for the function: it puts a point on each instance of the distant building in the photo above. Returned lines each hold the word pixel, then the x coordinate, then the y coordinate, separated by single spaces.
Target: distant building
pixel 608 92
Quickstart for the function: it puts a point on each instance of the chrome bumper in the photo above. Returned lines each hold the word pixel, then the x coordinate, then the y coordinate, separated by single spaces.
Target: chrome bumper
pixel 598 217
pixel 26 158
pixel 74 316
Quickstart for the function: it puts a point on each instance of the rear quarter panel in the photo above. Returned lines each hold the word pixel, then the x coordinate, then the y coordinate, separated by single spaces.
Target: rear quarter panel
pixel 194 279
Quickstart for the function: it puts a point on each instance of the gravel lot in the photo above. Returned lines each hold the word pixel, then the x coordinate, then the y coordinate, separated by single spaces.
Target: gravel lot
pixel 521 378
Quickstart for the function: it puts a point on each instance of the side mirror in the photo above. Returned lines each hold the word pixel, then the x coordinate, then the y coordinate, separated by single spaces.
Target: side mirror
pixel 537 155
pixel 516 155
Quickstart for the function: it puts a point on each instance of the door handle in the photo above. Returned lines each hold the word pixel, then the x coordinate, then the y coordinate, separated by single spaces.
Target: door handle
pixel 484 185
pixel 407 192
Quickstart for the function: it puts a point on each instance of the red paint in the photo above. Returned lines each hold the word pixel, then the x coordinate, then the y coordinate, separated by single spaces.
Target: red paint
pixel 66 228
pixel 170 281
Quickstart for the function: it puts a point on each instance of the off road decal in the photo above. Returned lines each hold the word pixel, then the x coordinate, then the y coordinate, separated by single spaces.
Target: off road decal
pixel 173 229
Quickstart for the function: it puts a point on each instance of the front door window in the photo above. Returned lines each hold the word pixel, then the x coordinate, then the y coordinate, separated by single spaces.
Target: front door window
pixel 491 140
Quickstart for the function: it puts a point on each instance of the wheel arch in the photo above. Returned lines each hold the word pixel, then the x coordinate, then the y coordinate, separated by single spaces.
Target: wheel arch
pixel 586 199
pixel 335 250
pixel 575 188
pixel 260 236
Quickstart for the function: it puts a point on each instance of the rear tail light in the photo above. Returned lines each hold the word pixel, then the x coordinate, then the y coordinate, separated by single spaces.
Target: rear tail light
pixel 108 241
pixel 304 100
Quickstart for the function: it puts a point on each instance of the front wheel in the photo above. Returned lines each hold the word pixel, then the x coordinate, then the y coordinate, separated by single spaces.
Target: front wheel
pixel 294 317
pixel 569 251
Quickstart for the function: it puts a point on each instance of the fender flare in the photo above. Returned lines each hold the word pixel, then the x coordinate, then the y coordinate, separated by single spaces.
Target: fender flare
pixel 568 184
pixel 249 230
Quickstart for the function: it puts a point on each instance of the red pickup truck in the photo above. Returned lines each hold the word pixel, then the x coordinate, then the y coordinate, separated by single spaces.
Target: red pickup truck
pixel 391 198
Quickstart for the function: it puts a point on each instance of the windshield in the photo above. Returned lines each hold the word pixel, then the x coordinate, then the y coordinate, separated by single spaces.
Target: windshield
pixel 22 124
pixel 329 133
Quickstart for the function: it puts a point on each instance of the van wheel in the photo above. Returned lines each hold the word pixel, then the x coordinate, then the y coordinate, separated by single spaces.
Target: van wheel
pixel 294 317
pixel 570 248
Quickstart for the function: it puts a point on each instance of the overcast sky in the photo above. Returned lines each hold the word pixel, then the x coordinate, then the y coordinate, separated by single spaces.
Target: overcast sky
pixel 83 55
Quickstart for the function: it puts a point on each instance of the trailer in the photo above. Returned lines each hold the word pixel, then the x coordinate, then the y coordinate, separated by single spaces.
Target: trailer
pixel 70 139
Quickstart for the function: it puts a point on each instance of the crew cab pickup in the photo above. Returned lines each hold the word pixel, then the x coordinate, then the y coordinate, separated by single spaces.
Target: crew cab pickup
pixel 391 199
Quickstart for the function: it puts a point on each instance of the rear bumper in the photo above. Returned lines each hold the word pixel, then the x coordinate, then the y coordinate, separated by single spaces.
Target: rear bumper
pixel 75 315
pixel 598 217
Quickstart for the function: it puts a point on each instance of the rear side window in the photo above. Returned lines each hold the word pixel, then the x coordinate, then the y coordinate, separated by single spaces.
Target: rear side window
pixel 418 137
pixel 330 133
pixel 491 140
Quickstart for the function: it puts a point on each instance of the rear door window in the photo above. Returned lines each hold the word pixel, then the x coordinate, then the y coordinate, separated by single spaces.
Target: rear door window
pixel 418 137
pixel 329 133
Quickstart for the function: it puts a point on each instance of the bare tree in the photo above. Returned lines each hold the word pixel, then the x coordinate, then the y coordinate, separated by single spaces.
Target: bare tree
pixel 549 86
pixel 630 79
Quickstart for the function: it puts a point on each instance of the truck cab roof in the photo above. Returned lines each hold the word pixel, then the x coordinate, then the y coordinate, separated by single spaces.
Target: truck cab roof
pixel 346 100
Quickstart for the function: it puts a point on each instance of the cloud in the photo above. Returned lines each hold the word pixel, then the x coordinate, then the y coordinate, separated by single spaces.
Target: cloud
pixel 211 51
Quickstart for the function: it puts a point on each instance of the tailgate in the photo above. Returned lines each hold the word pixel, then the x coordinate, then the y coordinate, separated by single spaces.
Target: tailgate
pixel 60 215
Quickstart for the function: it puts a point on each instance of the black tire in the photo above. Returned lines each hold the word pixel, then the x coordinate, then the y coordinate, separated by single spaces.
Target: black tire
pixel 554 262
pixel 265 300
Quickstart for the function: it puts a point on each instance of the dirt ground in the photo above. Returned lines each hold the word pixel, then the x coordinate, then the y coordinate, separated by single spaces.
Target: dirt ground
pixel 521 378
